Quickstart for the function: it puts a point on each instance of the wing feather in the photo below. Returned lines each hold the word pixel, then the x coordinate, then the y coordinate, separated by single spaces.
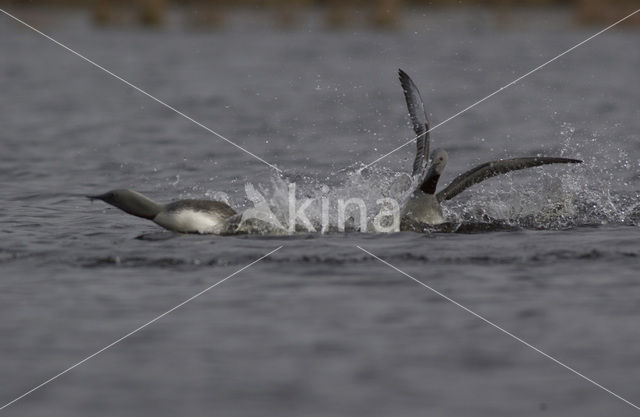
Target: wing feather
pixel 419 121
pixel 493 168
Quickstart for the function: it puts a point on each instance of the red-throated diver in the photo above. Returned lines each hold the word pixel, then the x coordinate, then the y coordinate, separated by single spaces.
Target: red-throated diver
pixel 183 216
pixel 423 206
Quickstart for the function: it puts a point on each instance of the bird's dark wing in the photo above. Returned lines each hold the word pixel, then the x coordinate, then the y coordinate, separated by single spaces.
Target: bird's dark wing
pixel 419 121
pixel 493 168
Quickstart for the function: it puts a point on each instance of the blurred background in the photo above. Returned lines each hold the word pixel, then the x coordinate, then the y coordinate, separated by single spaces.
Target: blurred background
pixel 336 13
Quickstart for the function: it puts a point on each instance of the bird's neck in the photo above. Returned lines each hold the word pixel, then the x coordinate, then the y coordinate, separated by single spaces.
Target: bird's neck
pixel 430 182
pixel 140 205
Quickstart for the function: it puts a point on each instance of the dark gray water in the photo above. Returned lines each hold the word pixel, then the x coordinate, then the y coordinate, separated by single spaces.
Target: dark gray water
pixel 319 328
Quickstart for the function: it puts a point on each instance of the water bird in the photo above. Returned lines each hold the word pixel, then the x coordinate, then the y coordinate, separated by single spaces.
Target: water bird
pixel 423 205
pixel 183 216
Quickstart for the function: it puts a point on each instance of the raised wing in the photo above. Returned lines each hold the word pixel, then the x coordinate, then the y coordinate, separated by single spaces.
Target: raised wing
pixel 419 121
pixel 493 168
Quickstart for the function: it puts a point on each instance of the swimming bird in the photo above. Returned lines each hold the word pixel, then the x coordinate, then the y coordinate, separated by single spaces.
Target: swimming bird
pixel 183 216
pixel 423 205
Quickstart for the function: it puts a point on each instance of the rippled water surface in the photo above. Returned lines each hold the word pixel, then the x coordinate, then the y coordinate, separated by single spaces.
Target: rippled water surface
pixel 319 328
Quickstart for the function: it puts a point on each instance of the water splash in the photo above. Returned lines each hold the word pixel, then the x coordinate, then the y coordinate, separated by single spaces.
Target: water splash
pixel 602 190
pixel 596 192
pixel 557 198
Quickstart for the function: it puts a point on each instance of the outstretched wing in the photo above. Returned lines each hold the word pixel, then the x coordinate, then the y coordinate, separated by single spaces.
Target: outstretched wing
pixel 493 168
pixel 419 121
